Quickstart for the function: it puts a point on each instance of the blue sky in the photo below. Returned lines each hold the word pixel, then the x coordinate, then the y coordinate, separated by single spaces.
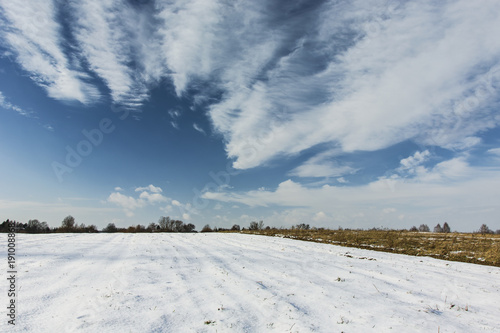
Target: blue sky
pixel 332 113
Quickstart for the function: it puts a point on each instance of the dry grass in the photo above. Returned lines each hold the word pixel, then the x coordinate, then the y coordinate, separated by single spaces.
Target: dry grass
pixel 472 248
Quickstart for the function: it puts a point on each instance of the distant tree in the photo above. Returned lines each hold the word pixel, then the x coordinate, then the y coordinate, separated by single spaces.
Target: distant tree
pixel 413 229
pixel 485 230
pixel 45 226
pixel 166 224
pixel 152 227
pixel 253 226
pixel 188 227
pixel 68 222
pixel 4 227
pixel 34 226
pixel 178 226
pixel 92 228
pixel 497 232
pixel 111 227
pixel 424 228
pixel 446 228
pixel 235 227
pixel 301 226
pixel 261 225
pixel 206 228
pixel 438 228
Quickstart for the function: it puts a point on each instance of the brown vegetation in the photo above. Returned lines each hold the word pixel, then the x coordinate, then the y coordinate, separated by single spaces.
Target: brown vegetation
pixel 473 248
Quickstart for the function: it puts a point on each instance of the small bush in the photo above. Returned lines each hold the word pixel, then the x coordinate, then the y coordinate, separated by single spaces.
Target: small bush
pixel 206 228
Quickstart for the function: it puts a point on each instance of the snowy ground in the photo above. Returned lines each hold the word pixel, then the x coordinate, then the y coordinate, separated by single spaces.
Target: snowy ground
pixel 241 283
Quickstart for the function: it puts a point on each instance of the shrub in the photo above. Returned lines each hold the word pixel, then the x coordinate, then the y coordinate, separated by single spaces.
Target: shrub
pixel 235 227
pixel 253 226
pixel 413 229
pixel 301 226
pixel 188 227
pixel 206 228
pixel 110 228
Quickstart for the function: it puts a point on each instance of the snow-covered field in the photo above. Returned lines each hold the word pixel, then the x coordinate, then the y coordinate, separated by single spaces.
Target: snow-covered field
pixel 241 283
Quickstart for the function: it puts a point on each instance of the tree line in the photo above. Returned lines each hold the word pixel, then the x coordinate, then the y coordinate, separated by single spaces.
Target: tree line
pixel 68 224
pixel 166 224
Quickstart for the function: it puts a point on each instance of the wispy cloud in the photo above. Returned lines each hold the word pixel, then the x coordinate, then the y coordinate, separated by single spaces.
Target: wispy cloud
pixel 322 165
pixel 35 37
pixel 379 77
pixel 199 129
pixel 283 77
pixel 111 35
pixel 9 106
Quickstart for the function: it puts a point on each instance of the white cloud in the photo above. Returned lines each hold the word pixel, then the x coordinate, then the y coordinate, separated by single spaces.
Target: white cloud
pixel 150 188
pixel 129 204
pixel 494 151
pixel 342 180
pixel 176 203
pixel 199 129
pixel 321 166
pixel 320 216
pixel 339 75
pixel 149 195
pixel 321 170
pixel 402 82
pixel 9 106
pixel 48 127
pixel 412 163
pixel 186 216
pixel 34 36
pixel 111 35
pixel 443 192
pixel 152 197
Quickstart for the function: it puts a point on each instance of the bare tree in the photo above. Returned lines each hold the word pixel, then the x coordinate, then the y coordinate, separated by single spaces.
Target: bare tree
pixel 484 229
pixel 438 228
pixel 424 228
pixel 253 226
pixel 446 227
pixel 261 225
pixel 178 226
pixel 163 222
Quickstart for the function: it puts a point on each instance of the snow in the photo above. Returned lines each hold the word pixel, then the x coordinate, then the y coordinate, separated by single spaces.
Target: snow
pixel 241 283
